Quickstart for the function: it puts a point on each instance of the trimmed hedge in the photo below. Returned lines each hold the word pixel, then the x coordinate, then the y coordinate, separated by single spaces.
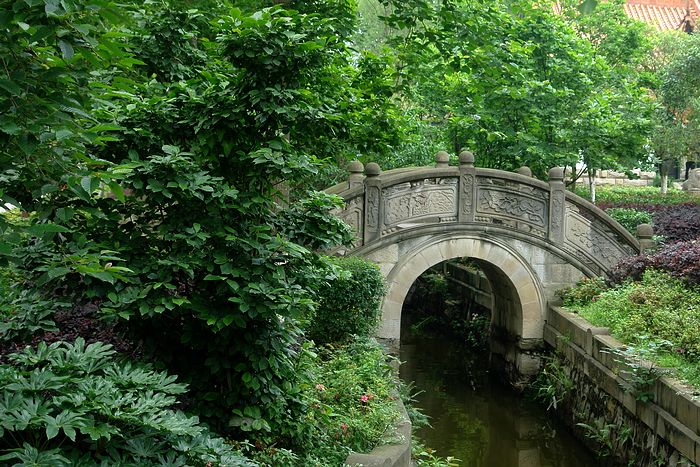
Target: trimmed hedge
pixel 629 218
pixel 349 302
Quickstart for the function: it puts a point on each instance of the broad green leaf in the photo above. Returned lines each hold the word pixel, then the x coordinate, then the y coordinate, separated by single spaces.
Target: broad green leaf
pixel 41 229
pixel 117 191
pixel 66 48
pixel 10 86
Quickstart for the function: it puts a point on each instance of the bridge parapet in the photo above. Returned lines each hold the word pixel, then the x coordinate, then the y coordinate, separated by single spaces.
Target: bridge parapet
pixel 381 205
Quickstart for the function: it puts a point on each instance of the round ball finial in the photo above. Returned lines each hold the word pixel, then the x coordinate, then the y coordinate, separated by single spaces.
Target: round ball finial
pixel 645 231
pixel 466 158
pixel 372 169
pixel 556 173
pixel 356 167
pixel 442 159
pixel 524 171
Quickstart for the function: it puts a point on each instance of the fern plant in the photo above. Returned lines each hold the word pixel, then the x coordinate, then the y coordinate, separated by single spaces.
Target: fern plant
pixel 73 404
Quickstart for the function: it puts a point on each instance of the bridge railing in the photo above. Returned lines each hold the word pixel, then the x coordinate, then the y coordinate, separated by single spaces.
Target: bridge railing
pixel 380 204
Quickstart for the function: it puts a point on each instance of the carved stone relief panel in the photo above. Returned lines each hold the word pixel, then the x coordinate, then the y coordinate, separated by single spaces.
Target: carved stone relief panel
pixel 467 189
pixel 584 238
pixel 530 209
pixel 557 219
pixel 353 214
pixel 424 198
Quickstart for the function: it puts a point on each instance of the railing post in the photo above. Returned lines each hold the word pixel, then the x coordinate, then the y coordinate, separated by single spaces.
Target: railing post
pixel 557 206
pixel 373 202
pixel 524 170
pixel 442 159
pixel 645 232
pixel 356 177
pixel 467 187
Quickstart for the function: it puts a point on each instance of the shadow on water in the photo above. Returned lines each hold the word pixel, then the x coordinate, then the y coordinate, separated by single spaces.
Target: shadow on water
pixel 476 418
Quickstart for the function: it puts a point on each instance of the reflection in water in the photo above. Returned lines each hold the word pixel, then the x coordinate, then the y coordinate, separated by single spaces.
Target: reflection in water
pixel 479 420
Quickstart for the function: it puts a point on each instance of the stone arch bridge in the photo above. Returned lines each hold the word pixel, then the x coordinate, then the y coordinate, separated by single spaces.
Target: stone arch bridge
pixel 529 237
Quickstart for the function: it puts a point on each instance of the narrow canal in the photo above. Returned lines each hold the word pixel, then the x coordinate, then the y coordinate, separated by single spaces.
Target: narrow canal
pixel 473 416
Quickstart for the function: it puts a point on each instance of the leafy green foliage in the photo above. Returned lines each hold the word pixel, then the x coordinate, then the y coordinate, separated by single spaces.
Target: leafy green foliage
pixel 519 85
pixel 349 405
pixel 659 306
pixel 110 412
pixel 639 373
pixel 676 66
pixel 349 301
pixel 629 218
pixel 553 383
pixel 47 52
pixel 585 291
pixel 622 196
pixel 24 312
pixel 178 223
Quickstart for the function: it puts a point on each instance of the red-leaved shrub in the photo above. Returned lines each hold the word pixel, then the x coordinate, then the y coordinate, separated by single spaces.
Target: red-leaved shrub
pixel 675 222
pixel 681 259
pixel 678 223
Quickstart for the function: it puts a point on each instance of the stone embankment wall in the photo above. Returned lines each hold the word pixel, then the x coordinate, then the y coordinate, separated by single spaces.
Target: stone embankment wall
pixel 665 431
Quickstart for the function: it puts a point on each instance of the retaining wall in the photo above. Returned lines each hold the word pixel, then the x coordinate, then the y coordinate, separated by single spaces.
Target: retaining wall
pixel 397 454
pixel 663 432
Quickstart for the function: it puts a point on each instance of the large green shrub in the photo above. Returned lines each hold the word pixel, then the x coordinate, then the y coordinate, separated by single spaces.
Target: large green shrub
pixel 71 404
pixel 176 224
pixel 349 301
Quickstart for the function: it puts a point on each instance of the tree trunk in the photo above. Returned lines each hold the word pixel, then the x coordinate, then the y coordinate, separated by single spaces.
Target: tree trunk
pixel 591 183
pixel 664 183
pixel 572 183
pixel 664 169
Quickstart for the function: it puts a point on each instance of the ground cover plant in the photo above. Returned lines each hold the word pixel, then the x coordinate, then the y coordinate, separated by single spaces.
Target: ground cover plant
pixel 656 308
pixel 621 195
pixel 629 218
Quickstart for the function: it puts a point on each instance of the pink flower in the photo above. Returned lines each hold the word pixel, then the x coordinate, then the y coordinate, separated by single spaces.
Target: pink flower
pixel 320 387
pixel 344 427
pixel 364 398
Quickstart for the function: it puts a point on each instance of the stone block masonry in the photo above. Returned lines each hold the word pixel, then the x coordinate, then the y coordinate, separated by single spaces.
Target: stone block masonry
pixel 665 431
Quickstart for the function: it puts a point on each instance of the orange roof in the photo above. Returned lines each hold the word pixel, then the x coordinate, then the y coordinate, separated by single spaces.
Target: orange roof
pixel 664 15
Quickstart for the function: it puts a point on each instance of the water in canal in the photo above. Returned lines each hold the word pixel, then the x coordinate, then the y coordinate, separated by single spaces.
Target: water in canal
pixel 479 420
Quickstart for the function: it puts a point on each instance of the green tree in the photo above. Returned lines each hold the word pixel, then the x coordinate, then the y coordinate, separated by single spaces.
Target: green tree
pixel 177 220
pixel 505 79
pixel 678 123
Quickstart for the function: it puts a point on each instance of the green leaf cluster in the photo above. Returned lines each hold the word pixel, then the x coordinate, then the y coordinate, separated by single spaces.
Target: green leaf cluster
pixel 629 218
pixel 112 413
pixel 658 308
pixel 349 301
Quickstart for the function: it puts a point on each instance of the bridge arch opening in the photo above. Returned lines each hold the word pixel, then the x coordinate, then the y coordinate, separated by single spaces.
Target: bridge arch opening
pixel 518 301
